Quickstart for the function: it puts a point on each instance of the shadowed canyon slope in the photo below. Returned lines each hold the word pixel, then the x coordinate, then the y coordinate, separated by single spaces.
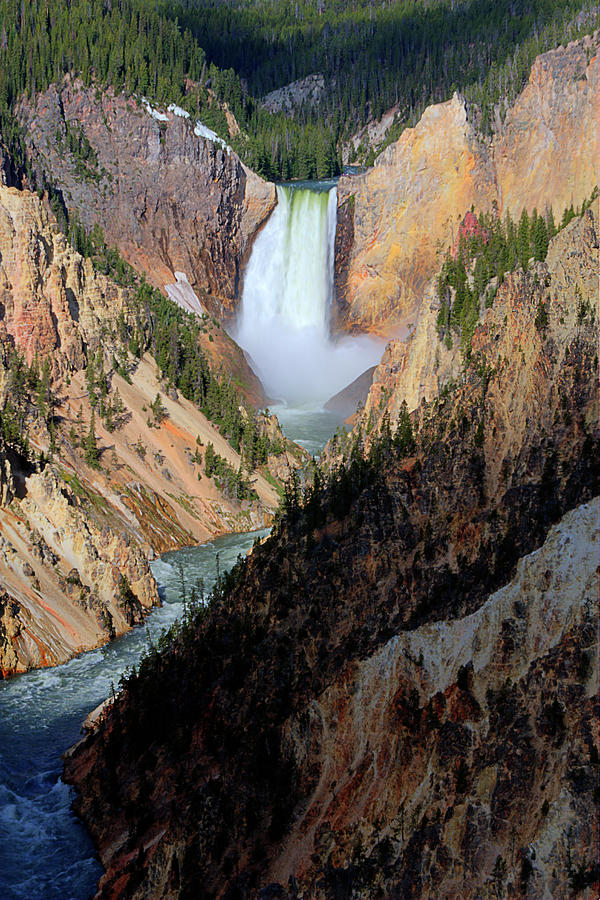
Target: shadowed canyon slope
pixel 396 698
pixel 74 539
pixel 395 220
pixel 171 201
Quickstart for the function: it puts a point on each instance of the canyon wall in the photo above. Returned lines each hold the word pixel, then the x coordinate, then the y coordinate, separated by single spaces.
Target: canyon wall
pixel 54 305
pixel 397 219
pixel 417 369
pixel 169 199
pixel 407 708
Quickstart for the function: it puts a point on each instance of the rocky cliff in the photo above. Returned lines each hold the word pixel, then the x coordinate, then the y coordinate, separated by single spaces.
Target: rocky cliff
pixel 75 538
pixel 396 697
pixel 420 367
pixel 171 199
pixel 54 305
pixel 397 218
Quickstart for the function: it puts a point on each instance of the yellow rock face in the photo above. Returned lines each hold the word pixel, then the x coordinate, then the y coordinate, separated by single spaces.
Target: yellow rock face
pixel 548 151
pixel 414 197
pixel 397 219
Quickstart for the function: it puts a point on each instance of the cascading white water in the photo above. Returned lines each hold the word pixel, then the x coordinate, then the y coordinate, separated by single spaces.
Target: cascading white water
pixel 283 322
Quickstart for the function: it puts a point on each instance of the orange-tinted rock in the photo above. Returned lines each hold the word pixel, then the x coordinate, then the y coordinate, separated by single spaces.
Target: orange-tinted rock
pixel 397 218
pixel 547 152
pixel 51 298
pixel 70 534
pixel 418 368
pixel 402 211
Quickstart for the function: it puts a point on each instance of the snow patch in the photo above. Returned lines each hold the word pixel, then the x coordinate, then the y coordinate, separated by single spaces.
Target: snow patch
pixel 208 134
pixel 182 293
pixel 200 130
pixel 178 111
pixel 160 117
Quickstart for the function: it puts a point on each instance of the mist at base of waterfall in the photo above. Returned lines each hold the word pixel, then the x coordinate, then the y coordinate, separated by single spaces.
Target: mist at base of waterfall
pixel 283 323
pixel 304 368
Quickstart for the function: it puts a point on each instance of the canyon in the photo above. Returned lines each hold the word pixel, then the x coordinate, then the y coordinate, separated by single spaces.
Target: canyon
pixel 395 693
pixel 408 707
pixel 76 539
pixel 179 205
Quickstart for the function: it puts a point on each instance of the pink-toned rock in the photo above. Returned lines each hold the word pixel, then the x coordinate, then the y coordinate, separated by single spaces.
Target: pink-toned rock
pixel 169 199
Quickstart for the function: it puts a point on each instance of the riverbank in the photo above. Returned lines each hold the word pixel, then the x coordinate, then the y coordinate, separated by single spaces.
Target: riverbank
pixel 44 851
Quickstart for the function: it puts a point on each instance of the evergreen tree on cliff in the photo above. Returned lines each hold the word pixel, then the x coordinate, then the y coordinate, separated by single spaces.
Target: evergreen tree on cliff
pixel 90 446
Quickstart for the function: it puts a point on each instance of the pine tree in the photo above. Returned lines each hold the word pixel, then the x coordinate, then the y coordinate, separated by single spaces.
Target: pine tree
pixel 90 447
pixel 523 240
pixel 540 239
pixel 550 226
pixel 209 460
pixel 404 438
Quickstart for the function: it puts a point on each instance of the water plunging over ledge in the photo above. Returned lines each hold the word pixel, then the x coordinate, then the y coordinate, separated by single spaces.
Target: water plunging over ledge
pixel 284 317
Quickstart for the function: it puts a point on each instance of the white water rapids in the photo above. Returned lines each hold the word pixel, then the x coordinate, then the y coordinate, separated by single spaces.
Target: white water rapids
pixel 283 322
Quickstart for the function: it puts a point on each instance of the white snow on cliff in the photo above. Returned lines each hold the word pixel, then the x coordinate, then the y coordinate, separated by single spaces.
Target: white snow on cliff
pixel 200 130
pixel 182 293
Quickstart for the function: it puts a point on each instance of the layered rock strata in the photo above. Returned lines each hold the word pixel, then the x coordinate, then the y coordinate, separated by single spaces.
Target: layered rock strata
pixel 75 539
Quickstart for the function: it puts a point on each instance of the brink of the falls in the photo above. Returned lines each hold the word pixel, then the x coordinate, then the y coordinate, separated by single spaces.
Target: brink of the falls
pixel 283 322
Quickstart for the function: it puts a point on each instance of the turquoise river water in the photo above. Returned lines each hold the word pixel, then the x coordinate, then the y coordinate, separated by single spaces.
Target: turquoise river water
pixel 45 853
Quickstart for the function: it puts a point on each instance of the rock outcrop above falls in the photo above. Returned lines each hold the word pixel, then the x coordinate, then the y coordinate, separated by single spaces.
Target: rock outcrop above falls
pixel 396 220
pixel 169 199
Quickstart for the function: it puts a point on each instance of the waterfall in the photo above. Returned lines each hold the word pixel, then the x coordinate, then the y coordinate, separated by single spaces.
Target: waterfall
pixel 283 323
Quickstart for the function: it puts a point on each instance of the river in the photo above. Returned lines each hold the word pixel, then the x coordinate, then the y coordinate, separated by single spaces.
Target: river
pixel 45 853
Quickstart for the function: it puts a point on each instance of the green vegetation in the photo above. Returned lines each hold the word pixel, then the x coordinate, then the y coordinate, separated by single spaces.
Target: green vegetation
pixel 377 56
pixel 471 275
pixel 231 483
pixel 172 336
pixel 91 452
pixel 29 397
pixel 86 159
pixel 373 57
pixel 131 46
pixel 158 410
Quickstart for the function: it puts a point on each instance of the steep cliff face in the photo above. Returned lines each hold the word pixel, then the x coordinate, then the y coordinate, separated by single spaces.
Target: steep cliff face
pixel 401 209
pixel 396 218
pixel 54 304
pixel 459 743
pixel 169 199
pixel 397 696
pixel 547 152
